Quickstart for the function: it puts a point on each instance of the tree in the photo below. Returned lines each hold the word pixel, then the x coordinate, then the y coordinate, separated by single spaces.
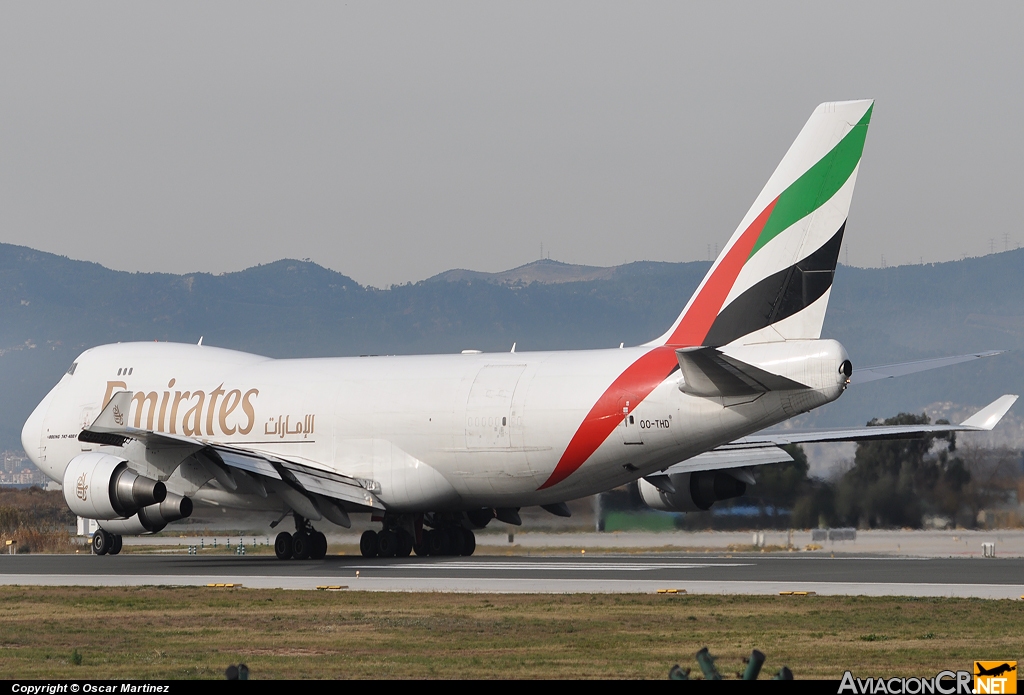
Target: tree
pixel 894 482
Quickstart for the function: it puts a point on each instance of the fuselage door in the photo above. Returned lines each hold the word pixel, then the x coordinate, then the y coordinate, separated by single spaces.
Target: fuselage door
pixel 630 426
pixel 489 407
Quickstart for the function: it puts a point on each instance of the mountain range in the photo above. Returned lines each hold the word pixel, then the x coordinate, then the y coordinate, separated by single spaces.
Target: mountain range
pixel 52 308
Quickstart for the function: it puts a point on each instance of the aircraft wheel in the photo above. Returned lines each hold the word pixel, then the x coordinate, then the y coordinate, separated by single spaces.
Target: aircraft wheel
pixel 116 543
pixel 318 546
pixel 283 546
pixel 300 546
pixel 101 542
pixel 422 548
pixel 469 542
pixel 458 541
pixel 440 542
pixel 405 542
pixel 387 543
pixel 434 541
pixel 368 544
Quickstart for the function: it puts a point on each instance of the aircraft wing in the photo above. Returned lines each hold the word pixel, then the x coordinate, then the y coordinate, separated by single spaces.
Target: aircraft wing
pixel 890 371
pixel 280 474
pixel 764 447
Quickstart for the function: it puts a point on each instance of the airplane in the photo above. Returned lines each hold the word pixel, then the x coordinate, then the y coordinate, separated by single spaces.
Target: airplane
pixel 436 446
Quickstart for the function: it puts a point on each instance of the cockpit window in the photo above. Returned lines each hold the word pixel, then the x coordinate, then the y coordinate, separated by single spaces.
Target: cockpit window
pixel 71 369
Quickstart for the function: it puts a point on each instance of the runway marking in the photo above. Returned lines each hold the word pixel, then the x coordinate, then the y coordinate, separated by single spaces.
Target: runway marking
pixel 552 566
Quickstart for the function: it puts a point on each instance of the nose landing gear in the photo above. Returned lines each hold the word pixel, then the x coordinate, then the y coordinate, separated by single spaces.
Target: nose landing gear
pixel 305 543
pixel 106 543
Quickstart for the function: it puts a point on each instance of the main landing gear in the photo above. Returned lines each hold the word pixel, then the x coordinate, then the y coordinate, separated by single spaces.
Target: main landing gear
pixel 305 543
pixel 401 536
pixel 106 543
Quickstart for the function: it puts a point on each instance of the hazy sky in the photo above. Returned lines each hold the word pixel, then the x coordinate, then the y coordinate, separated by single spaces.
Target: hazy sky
pixel 394 141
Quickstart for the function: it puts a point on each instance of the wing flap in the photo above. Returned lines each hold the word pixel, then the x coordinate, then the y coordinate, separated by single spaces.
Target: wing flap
pixel 731 457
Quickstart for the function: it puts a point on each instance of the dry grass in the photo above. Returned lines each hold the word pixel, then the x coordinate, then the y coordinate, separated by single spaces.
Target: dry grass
pixel 196 632
pixel 37 520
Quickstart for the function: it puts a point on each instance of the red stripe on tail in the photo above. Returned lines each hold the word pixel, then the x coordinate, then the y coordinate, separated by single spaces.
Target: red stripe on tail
pixel 644 375
pixel 696 323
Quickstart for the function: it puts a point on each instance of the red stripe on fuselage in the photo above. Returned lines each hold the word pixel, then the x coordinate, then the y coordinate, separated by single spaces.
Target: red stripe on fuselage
pixel 633 385
pixel 644 375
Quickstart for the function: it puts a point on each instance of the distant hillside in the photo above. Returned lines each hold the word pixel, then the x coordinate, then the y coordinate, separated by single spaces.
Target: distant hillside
pixel 52 308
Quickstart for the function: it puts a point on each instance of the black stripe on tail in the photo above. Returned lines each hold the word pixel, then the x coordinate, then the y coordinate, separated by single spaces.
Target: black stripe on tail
pixel 778 296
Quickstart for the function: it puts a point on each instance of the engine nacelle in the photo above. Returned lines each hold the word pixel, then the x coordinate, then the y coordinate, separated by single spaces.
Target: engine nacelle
pixel 101 486
pixel 151 519
pixel 694 492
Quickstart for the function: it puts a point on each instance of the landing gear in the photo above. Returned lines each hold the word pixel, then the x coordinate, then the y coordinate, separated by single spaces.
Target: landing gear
pixel 368 544
pixel 283 546
pixel 106 543
pixel 102 542
pixel 387 543
pixel 404 534
pixel 305 543
pixel 300 546
pixel 318 546
pixel 453 540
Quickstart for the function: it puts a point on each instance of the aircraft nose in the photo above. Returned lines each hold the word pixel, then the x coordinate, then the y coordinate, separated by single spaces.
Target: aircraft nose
pixel 32 433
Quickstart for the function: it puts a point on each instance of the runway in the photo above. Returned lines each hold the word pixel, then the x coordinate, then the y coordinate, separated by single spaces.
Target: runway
pixel 706 574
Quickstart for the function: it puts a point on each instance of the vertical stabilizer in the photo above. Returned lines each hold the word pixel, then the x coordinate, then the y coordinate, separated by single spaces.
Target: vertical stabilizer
pixel 772 280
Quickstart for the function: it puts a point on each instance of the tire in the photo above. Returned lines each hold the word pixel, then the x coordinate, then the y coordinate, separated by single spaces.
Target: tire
pixel 405 541
pixel 435 541
pixel 116 544
pixel 387 543
pixel 440 542
pixel 422 548
pixel 469 544
pixel 283 546
pixel 318 546
pixel 458 540
pixel 301 546
pixel 368 544
pixel 101 542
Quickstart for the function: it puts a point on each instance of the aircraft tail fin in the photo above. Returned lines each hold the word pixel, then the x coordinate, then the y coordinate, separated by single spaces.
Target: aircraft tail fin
pixel 772 281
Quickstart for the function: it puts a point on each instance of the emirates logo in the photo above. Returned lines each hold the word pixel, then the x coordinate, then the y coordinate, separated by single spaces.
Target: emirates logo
pixel 118 416
pixel 81 489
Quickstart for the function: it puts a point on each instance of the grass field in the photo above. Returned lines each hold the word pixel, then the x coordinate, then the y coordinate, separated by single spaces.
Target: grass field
pixel 160 632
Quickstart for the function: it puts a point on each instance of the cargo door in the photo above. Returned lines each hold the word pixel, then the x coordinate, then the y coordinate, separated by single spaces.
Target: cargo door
pixel 489 407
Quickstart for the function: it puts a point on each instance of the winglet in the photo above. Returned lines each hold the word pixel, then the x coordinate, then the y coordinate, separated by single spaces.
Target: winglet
pixel 991 414
pixel 114 417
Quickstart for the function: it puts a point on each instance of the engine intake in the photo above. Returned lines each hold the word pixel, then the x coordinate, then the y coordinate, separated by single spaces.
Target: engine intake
pixel 102 486
pixel 694 492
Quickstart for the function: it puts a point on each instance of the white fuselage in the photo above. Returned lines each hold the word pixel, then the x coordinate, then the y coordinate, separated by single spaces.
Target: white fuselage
pixel 438 432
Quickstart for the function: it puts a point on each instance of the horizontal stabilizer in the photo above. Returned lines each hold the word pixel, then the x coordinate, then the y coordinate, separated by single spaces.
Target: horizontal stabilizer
pixel 890 371
pixel 709 373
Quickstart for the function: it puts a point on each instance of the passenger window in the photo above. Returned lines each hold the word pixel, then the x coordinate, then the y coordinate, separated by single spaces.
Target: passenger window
pixel 631 419
pixel 502 422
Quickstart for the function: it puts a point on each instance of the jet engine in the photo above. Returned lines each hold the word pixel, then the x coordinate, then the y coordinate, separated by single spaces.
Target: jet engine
pixel 101 486
pixel 690 492
pixel 151 519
